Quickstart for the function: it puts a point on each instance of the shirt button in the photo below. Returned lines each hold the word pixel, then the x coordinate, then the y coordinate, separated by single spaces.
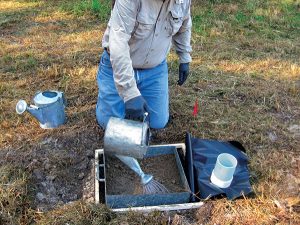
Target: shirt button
pixel 156 35
pixel 152 50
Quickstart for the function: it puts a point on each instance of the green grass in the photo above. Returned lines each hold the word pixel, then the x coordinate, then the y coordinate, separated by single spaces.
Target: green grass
pixel 22 63
pixel 254 16
pixel 99 8
pixel 272 19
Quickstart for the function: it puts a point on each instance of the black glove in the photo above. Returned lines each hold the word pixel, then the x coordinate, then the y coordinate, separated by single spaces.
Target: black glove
pixel 183 73
pixel 136 108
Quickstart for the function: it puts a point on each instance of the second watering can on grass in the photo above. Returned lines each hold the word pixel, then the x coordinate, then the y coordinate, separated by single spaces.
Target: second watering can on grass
pixel 126 137
pixel 49 108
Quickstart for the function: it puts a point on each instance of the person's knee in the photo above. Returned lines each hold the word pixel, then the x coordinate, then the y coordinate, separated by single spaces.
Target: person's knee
pixel 159 123
pixel 101 119
pixel 102 123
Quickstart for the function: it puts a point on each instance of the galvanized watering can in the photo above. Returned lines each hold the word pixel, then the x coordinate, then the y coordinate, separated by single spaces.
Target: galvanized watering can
pixel 49 108
pixel 126 137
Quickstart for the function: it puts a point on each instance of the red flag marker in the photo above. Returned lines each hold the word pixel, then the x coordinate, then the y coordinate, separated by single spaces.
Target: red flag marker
pixel 195 112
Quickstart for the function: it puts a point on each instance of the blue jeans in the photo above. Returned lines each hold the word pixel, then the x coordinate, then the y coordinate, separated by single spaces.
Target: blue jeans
pixel 152 83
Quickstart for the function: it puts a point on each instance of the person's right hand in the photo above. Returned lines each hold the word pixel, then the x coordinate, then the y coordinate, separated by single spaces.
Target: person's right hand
pixel 136 108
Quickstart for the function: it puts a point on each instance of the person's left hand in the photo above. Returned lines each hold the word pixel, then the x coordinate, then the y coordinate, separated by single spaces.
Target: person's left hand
pixel 183 73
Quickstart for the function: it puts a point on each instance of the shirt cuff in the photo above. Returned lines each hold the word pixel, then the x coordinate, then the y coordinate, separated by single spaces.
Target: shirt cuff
pixel 130 93
pixel 184 57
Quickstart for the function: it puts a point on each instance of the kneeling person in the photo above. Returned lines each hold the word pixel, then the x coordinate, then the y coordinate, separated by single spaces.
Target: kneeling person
pixel 133 72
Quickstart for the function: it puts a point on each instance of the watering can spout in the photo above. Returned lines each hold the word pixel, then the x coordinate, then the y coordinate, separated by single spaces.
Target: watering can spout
pixel 22 106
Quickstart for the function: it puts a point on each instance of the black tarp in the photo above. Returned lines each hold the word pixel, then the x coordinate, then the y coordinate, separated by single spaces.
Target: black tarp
pixel 201 156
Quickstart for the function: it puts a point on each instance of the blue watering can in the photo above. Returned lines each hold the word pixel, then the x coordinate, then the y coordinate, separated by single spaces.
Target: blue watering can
pixel 49 108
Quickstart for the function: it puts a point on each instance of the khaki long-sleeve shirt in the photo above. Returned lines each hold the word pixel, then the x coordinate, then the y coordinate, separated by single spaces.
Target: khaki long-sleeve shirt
pixel 139 35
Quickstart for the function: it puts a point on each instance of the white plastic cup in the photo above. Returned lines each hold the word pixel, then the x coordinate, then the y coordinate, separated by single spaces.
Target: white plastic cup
pixel 222 175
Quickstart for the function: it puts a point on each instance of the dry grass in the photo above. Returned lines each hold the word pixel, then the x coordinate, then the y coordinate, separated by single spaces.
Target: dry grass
pixel 94 215
pixel 14 196
pixel 245 75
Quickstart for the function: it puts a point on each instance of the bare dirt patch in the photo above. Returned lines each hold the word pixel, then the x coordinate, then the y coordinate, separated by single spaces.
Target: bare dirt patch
pixel 61 165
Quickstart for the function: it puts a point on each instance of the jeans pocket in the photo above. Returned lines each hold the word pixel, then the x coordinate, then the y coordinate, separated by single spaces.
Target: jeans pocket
pixel 105 60
pixel 105 71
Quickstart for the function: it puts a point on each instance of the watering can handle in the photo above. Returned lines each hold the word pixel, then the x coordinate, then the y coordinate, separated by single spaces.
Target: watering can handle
pixel 144 121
